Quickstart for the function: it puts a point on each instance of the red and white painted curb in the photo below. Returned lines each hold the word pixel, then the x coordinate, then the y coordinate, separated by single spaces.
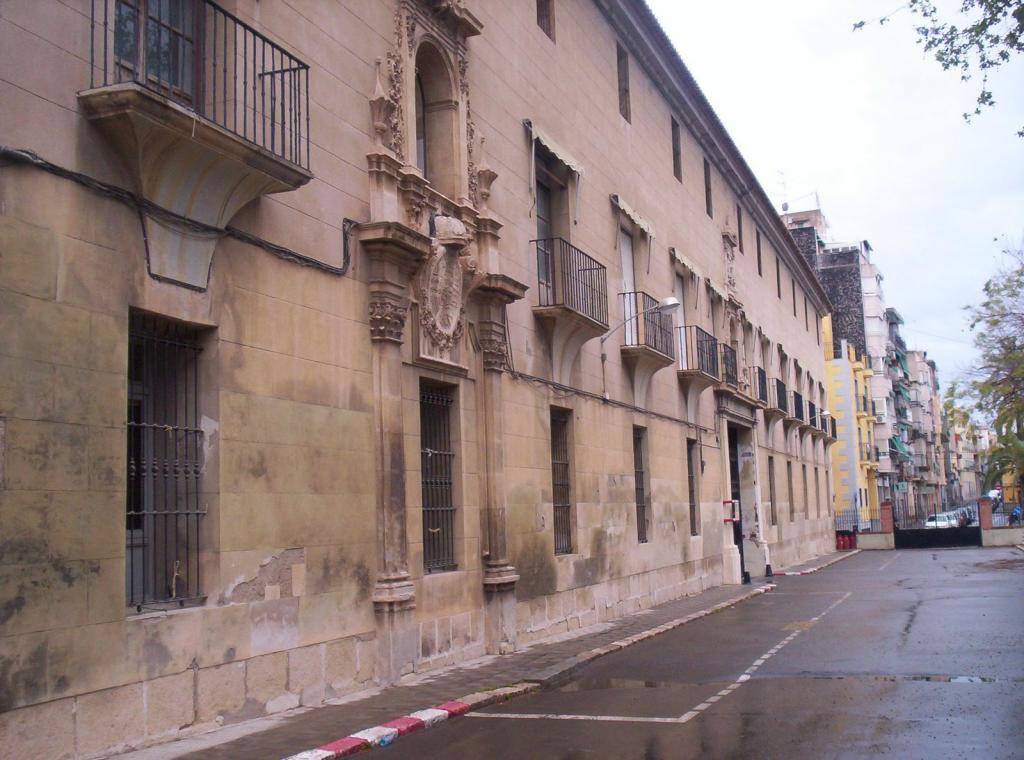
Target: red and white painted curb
pixel 385 734
pixel 844 555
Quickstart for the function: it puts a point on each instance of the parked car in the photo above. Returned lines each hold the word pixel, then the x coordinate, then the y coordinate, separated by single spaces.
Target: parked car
pixel 939 521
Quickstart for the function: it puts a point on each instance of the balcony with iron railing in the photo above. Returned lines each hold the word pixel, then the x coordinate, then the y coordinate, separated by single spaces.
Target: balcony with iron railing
pixel 797 406
pixel 572 301
pixel 812 415
pixel 698 351
pixel 730 371
pixel 648 340
pixel 190 95
pixel 645 326
pixel 760 378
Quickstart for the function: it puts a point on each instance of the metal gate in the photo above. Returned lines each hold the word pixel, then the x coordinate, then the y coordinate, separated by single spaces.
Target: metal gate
pixel 938 530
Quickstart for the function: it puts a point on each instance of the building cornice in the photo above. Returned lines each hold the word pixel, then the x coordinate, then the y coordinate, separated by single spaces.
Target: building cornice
pixel 643 35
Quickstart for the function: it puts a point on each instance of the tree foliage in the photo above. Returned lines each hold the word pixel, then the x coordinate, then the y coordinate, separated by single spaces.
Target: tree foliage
pixel 986 35
pixel 998 388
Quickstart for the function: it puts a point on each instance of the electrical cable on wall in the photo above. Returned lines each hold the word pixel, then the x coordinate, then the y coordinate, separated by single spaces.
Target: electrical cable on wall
pixel 167 217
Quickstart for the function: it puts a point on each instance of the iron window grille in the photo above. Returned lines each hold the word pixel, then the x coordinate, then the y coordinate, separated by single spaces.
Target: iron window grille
pixel 198 54
pixel 437 463
pixel 164 458
pixel 640 475
pixel 762 385
pixel 692 485
pixel 792 494
pixel 807 504
pixel 771 490
pixel 561 481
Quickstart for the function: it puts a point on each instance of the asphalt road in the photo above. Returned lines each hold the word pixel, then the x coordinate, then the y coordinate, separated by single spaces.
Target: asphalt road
pixel 909 654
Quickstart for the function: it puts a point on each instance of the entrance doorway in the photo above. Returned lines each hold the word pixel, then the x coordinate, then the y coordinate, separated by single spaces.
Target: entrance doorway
pixel 743 493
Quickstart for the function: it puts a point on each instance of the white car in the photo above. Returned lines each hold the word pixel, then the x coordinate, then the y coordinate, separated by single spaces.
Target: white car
pixel 939 521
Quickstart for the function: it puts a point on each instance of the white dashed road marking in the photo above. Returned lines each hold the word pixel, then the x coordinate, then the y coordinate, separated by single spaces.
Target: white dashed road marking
pixel 687 716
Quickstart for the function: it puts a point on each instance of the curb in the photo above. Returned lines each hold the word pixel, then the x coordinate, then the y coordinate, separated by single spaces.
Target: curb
pixel 1020 547
pixel 386 733
pixel 844 555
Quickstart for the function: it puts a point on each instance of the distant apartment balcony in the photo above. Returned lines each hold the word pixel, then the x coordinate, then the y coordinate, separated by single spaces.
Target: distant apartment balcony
pixel 797 406
pixel 193 97
pixel 648 343
pixel 572 295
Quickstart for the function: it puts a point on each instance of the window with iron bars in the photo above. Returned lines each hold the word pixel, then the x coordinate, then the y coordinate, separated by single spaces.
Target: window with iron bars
pixel 792 494
pixel 561 480
pixel 771 491
pixel 437 463
pixel 640 474
pixel 693 484
pixel 164 458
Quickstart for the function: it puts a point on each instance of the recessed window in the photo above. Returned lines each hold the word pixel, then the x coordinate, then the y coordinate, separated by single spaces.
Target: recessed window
pixel 677 152
pixel 546 17
pixel 789 489
pixel 707 189
pixel 693 484
pixel 437 469
pixel 435 121
pixel 561 480
pixel 640 474
pixel 793 283
pixel 757 239
pixel 165 459
pixel 807 323
pixel 778 278
pixel 739 226
pixel 622 59
pixel 771 491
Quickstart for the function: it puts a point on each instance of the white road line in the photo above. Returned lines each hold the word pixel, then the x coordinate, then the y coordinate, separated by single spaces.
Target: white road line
pixel 886 564
pixel 685 717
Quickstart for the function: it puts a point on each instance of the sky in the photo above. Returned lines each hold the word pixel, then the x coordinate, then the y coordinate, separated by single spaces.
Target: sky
pixel 869 126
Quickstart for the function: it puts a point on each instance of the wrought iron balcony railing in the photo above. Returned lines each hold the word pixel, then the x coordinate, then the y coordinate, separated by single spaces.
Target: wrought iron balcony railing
pixel 568 277
pixel 781 397
pixel 645 325
pixel 761 385
pixel 812 414
pixel 730 373
pixel 798 405
pixel 201 56
pixel 832 424
pixel 698 350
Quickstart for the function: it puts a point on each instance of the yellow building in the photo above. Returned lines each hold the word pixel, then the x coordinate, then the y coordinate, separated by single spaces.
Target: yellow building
pixel 854 457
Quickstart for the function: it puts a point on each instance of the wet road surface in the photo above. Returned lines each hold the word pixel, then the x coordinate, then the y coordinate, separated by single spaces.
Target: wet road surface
pixel 909 654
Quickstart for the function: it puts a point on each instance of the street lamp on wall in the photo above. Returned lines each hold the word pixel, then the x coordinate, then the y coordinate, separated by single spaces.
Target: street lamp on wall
pixel 666 305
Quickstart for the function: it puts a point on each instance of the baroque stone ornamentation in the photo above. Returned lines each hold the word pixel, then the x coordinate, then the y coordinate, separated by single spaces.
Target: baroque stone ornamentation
pixel 494 348
pixel 485 178
pixel 442 287
pixel 381 113
pixel 387 317
pixel 729 243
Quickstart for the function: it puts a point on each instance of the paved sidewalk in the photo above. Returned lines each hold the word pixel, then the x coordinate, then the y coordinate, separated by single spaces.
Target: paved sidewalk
pixel 283 735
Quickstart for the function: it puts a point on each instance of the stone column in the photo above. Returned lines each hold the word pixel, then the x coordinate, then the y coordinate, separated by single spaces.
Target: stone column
pixel 393 255
pixel 494 293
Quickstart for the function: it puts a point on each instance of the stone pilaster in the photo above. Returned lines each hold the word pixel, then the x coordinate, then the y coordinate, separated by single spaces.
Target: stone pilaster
pixel 494 293
pixel 393 254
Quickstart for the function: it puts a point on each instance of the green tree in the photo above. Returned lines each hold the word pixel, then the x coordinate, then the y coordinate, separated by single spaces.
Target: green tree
pixel 998 388
pixel 984 36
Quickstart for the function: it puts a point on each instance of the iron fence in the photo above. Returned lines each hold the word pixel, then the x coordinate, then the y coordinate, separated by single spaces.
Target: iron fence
pixel 437 459
pixel 645 325
pixel 568 277
pixel 165 452
pixel 206 59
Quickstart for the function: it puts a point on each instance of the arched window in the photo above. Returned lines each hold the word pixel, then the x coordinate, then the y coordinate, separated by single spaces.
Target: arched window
pixel 437 153
pixel 421 127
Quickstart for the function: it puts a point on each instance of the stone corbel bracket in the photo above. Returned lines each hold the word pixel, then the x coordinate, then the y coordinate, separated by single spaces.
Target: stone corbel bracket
pixel 188 165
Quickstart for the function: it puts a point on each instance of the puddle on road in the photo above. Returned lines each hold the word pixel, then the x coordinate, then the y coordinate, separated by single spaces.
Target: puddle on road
pixel 596 684
pixel 1001 564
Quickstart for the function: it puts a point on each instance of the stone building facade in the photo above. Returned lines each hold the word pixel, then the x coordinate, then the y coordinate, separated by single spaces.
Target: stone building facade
pixel 349 348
